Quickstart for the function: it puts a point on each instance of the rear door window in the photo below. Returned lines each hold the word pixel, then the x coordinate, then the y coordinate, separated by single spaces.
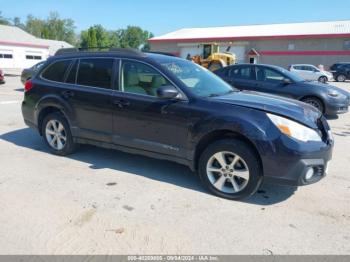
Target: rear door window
pixel 56 71
pixel 95 72
pixel 245 72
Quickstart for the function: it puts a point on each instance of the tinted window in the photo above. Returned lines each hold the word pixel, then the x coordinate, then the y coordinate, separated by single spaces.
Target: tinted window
pixel 96 72
pixel 72 73
pixel 269 75
pixel 242 73
pixel 7 56
pixel 139 78
pixel 56 71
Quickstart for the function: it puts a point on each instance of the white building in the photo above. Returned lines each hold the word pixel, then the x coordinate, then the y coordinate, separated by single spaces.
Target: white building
pixel 280 44
pixel 19 50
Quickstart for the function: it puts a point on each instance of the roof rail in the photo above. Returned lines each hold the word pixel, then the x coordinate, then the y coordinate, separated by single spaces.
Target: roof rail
pixel 161 53
pixel 63 51
pixel 126 50
pixel 66 50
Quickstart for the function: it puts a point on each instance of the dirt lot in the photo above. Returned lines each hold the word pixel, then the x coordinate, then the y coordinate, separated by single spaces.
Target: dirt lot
pixel 101 201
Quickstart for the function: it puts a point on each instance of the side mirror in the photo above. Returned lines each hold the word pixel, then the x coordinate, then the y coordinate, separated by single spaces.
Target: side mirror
pixel 286 81
pixel 167 92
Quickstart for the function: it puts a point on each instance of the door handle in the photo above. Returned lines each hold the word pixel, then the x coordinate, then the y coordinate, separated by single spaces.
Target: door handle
pixel 67 94
pixel 121 103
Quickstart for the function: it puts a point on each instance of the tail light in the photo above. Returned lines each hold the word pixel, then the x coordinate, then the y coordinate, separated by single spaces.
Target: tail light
pixel 28 85
pixel 1 73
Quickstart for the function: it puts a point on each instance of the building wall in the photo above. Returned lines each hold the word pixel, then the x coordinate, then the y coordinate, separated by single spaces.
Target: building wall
pixel 22 57
pixel 288 47
pixel 291 51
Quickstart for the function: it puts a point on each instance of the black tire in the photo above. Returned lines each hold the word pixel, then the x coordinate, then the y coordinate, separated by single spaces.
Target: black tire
pixel 323 79
pixel 69 145
pixel 215 65
pixel 245 152
pixel 315 102
pixel 340 78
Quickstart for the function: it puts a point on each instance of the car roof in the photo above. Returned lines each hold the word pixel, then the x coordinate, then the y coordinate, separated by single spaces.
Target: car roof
pixel 303 65
pixel 247 64
pixel 117 53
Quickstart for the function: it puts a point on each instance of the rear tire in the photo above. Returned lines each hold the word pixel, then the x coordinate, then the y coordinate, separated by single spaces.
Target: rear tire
pixel 57 135
pixel 230 169
pixel 315 102
pixel 323 79
pixel 340 78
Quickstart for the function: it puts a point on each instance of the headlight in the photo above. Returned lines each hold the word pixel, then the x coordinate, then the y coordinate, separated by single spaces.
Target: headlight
pixel 294 129
pixel 333 94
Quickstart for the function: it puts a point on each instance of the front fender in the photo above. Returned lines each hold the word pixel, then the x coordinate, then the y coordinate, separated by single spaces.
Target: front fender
pixel 250 123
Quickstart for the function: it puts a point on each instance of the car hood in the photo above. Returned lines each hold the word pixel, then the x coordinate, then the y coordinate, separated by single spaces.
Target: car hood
pixel 289 108
pixel 325 87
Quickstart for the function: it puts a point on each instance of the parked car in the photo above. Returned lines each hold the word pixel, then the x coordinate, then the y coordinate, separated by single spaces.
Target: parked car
pixel 342 72
pixel 29 72
pixel 335 66
pixel 2 77
pixel 275 80
pixel 311 73
pixel 170 108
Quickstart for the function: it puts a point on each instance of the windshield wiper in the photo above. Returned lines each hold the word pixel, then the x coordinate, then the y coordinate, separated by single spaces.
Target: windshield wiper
pixel 215 94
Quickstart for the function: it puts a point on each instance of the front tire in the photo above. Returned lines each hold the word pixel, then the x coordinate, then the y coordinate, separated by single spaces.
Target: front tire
pixel 57 135
pixel 230 169
pixel 323 79
pixel 315 102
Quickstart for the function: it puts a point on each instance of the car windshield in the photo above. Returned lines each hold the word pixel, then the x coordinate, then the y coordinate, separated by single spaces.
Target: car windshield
pixel 293 76
pixel 199 80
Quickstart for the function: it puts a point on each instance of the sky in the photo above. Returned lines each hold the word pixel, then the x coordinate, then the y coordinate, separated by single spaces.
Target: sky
pixel 163 16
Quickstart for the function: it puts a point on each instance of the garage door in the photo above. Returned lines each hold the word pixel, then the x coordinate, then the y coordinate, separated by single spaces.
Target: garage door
pixel 6 59
pixel 239 51
pixel 192 50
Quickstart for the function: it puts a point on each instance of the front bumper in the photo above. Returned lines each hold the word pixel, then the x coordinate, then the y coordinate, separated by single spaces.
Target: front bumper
pixel 337 106
pixel 287 161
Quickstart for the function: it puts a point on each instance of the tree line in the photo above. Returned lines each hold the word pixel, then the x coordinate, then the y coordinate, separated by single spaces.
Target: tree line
pixel 96 36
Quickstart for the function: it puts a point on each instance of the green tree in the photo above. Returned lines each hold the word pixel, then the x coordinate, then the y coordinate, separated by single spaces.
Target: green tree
pixel 133 37
pixel 52 28
pixel 17 22
pixel 98 37
pixel 4 20
pixel 35 26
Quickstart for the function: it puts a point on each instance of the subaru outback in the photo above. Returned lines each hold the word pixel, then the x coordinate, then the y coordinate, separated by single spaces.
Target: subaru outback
pixel 169 108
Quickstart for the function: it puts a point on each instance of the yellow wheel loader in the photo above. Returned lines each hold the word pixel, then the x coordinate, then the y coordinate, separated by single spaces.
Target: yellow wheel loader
pixel 212 59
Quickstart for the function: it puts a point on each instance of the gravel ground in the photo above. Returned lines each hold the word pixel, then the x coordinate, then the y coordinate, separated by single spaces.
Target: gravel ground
pixel 99 201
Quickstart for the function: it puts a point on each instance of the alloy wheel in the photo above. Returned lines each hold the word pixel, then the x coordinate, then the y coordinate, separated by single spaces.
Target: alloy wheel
pixel 55 134
pixel 341 78
pixel 227 172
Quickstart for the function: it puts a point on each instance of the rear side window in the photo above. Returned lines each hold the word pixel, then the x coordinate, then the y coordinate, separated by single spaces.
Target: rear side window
pixel 56 71
pixel 95 72
pixel 242 73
